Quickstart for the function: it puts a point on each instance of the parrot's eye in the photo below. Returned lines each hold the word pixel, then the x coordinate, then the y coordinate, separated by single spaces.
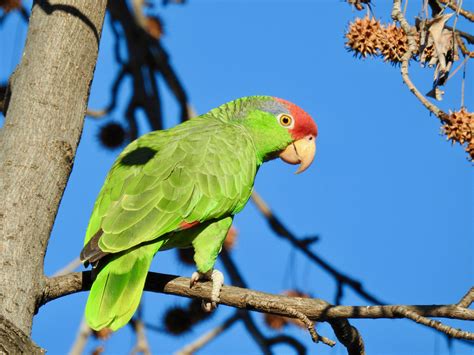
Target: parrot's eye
pixel 285 120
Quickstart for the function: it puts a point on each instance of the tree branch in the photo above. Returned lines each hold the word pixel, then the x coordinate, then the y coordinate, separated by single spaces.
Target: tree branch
pixel 279 228
pixel 453 6
pixel 208 336
pixel 315 309
pixel 410 32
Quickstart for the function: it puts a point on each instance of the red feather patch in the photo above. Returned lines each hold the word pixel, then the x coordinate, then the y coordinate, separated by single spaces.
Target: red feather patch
pixel 304 124
pixel 186 225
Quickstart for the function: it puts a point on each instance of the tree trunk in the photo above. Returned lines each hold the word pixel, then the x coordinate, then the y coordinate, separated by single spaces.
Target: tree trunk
pixel 44 119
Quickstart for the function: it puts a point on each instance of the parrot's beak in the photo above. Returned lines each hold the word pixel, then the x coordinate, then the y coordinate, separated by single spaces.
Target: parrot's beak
pixel 300 152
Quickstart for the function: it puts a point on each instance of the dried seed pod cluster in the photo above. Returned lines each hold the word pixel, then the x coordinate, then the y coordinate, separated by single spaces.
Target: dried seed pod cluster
pixel 393 43
pixel 460 128
pixel 179 320
pixel 367 36
pixel 363 36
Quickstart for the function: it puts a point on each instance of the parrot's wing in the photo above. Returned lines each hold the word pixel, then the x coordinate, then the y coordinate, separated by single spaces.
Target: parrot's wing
pixel 167 180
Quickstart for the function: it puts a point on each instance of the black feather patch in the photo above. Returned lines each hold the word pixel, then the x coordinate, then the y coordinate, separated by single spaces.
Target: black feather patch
pixel 91 252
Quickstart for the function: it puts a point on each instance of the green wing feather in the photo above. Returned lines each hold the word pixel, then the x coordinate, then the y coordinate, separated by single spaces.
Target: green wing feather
pixel 200 170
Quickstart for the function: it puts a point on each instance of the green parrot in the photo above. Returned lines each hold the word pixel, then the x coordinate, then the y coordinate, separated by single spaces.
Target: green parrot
pixel 180 188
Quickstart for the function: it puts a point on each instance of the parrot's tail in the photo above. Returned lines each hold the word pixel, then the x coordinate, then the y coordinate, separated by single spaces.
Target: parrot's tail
pixel 116 292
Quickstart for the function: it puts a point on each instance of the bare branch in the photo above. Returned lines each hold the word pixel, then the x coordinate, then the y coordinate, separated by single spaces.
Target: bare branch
pixel 114 93
pixel 280 229
pixel 452 332
pixel 410 31
pixel 295 314
pixel 315 309
pixel 141 345
pixel 209 336
pixel 467 36
pixel 467 300
pixel 70 267
pixel 453 6
pixel 82 336
pixel 348 335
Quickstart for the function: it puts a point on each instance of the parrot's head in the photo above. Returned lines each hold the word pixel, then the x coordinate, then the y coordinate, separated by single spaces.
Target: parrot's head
pixel 279 129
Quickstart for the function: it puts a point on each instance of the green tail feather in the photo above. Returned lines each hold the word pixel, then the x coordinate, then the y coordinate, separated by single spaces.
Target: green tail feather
pixel 116 292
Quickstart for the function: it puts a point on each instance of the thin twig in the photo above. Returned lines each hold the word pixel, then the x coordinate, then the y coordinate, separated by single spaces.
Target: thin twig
pixel 97 113
pixel 463 47
pixel 463 82
pixel 467 14
pixel 457 68
pixel 70 267
pixel 114 94
pixel 237 279
pixel 467 299
pixel 284 232
pixel 452 332
pixel 82 336
pixel 467 36
pixel 411 36
pixel 208 337
pixel 141 344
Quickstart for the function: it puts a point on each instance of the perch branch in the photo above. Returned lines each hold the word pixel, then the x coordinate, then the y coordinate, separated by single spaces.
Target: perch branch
pixel 315 309
pixel 295 314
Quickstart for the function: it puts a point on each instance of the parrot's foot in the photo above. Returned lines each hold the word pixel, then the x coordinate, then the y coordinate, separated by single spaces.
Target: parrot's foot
pixel 217 279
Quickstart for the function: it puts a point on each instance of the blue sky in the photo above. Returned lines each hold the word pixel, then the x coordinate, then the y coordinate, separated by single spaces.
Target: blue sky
pixel 391 200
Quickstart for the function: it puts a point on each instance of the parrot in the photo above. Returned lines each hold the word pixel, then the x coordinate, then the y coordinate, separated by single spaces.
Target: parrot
pixel 181 188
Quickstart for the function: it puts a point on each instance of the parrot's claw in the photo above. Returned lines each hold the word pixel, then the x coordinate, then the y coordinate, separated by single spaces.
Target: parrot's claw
pixel 217 279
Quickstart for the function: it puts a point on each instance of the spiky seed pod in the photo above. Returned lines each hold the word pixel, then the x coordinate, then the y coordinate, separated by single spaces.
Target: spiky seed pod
pixel 9 5
pixel 393 43
pixel 102 334
pixel 154 26
pixel 112 135
pixel 470 150
pixel 98 350
pixel 363 36
pixel 196 313
pixel 461 129
pixel 177 320
pixel 359 4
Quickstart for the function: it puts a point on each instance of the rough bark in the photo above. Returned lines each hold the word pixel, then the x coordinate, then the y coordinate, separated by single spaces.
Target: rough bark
pixel 243 298
pixel 43 124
